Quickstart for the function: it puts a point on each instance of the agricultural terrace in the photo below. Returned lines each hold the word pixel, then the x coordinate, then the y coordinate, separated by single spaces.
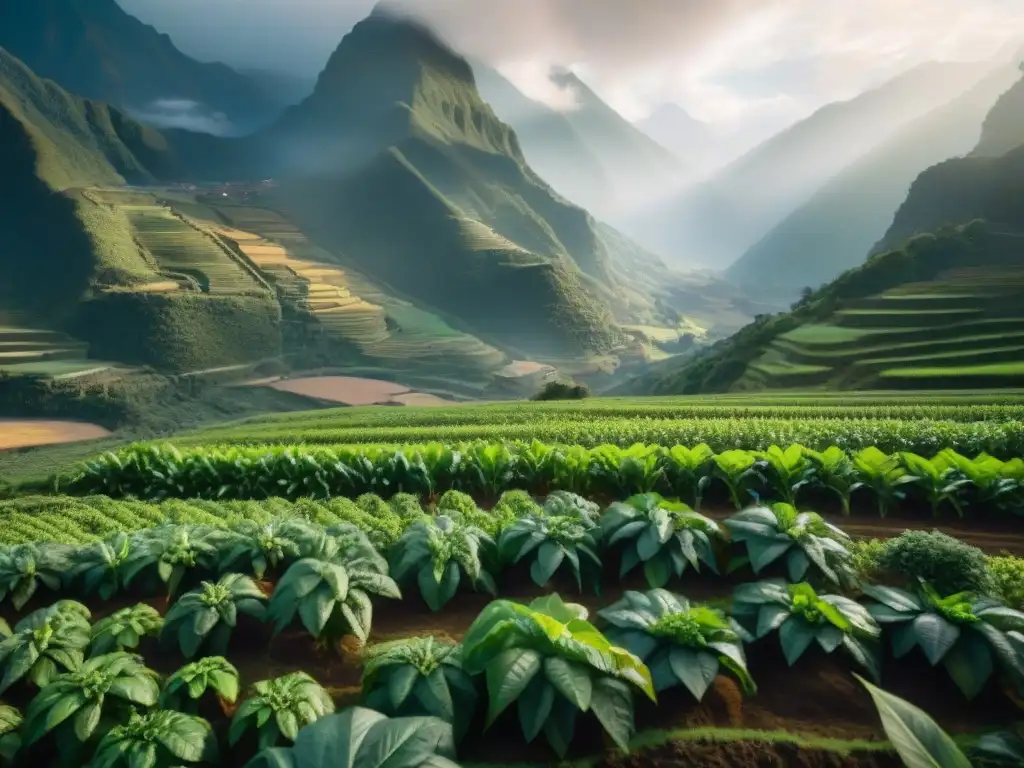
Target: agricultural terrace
pixel 966 326
pixel 35 351
pixel 734 598
pixel 344 305
pixel 182 250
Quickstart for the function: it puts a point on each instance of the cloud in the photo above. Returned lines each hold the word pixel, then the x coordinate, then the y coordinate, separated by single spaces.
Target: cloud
pixel 183 113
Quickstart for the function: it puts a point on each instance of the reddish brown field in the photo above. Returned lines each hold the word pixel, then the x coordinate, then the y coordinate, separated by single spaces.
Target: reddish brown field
pixel 351 390
pixel 23 433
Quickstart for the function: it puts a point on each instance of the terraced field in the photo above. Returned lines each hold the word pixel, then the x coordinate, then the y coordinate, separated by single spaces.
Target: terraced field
pixel 39 352
pixel 965 328
pixel 388 331
pixel 183 250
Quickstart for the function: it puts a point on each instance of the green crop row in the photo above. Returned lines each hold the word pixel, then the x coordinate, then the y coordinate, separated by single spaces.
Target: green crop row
pixel 948 480
pixel 1004 439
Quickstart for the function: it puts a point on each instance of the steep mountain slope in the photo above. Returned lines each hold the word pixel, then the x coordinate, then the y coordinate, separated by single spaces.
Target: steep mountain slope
pixel 836 228
pixel 943 311
pixel 986 184
pixel 52 142
pixel 408 172
pixel 550 142
pixel 95 49
pixel 715 222
pixel 638 165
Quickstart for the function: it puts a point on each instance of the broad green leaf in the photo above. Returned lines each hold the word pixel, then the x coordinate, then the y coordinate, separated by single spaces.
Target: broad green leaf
pixel 918 739
pixel 507 675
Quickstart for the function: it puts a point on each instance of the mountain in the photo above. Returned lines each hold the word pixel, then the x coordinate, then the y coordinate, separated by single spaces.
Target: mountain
pixel 943 311
pixel 550 142
pixel 837 227
pixel 408 171
pixel 987 184
pixel 94 49
pixel 589 153
pixel 672 126
pixel 714 223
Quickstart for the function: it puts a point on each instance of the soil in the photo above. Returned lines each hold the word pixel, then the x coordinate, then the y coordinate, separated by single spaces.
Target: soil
pixel 352 390
pixel 24 433
pixel 745 754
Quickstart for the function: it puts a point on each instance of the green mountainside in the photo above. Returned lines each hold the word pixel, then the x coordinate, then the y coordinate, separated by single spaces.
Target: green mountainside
pixel 988 184
pixel 945 310
pixel 835 229
pixel 403 229
pixel 408 172
pixel 716 221
pixel 95 49
pixel 72 261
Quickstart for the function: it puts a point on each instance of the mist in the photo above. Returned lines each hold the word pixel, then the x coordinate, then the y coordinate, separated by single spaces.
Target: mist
pixel 186 114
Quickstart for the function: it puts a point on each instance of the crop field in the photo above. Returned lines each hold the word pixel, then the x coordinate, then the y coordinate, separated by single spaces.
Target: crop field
pixel 181 249
pixel 699 603
pixel 966 329
pixel 967 423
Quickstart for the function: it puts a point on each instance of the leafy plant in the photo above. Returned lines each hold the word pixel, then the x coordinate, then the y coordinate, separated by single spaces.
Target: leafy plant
pixel 264 546
pixel 407 507
pixel 330 596
pixel 990 481
pixel 883 475
pixel 637 469
pixel 104 688
pixel 10 736
pixel 1002 747
pixel 803 537
pixel 946 563
pixel 487 468
pixel 688 472
pixel 1007 579
pixel 551 543
pixel 278 708
pixel 183 689
pixel 438 553
pixel 680 642
pixel 939 483
pixel 45 643
pixel 665 536
pixel 555 664
pixel 100 566
pixel 511 506
pixel 420 676
pixel 801 617
pixel 157 739
pixel 787 470
pixel 205 618
pixel 362 738
pixel 741 471
pixel 569 504
pixel 124 629
pixel 23 568
pixel 171 551
pixel 835 472
pixel 919 741
pixel 969 636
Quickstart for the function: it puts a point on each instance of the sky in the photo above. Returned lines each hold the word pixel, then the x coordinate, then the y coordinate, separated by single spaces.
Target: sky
pixel 737 64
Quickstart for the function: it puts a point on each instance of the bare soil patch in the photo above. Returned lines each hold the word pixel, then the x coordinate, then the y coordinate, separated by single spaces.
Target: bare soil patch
pixel 352 390
pixel 24 433
pixel 523 368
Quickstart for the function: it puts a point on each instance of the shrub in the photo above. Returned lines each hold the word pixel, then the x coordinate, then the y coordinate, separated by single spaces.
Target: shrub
pixel 946 563
pixel 1006 576
pixel 562 390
